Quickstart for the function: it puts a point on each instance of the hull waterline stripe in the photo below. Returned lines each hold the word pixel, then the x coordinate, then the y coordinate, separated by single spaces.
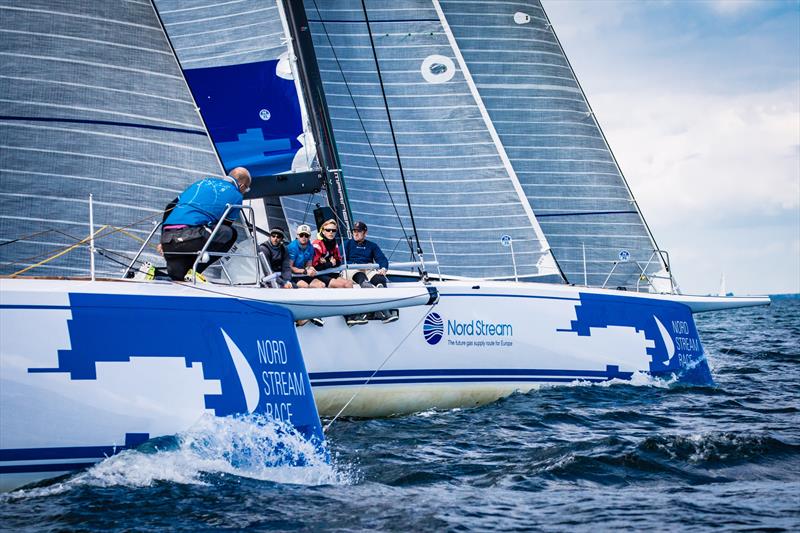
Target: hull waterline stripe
pixel 53 467
pixel 453 380
pixel 64 307
pixel 610 371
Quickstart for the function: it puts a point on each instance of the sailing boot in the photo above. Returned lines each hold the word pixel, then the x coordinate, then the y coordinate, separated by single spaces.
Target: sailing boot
pixel 392 315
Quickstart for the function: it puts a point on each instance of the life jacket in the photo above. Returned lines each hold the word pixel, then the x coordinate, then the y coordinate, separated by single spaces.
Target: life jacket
pixel 324 251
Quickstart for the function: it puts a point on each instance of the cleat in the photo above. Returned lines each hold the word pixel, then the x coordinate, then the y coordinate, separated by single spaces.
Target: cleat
pixel 392 315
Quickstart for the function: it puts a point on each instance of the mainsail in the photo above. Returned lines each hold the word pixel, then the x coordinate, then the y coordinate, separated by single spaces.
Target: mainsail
pixel 406 120
pixel 492 131
pixel 91 101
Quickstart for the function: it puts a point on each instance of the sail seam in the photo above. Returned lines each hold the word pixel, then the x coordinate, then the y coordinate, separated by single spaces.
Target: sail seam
pixel 104 123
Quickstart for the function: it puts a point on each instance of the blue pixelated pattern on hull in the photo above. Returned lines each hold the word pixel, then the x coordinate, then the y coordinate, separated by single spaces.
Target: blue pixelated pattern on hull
pixel 677 350
pixel 109 328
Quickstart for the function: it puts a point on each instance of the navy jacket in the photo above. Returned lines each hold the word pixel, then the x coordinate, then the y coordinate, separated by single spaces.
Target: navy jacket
pixel 364 252
pixel 278 259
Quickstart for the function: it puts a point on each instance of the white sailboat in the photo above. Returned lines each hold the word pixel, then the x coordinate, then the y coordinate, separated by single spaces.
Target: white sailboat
pixel 414 133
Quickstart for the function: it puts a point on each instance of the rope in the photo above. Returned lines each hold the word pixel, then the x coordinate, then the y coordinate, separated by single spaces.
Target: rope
pixel 26 237
pixel 59 254
pixel 383 363
pixel 69 248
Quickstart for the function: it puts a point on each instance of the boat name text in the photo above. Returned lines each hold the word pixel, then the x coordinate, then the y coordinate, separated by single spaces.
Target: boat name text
pixel 282 383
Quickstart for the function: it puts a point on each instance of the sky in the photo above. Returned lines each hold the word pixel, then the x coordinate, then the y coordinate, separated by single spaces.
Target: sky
pixel 700 102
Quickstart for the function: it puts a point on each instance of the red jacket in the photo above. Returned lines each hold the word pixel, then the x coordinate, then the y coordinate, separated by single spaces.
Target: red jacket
pixel 323 257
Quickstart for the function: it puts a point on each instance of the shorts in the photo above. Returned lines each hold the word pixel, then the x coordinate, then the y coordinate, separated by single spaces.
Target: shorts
pixel 348 274
pixel 307 279
pixel 326 278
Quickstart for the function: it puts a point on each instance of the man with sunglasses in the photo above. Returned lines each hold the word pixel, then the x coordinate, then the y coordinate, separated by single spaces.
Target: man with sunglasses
pixel 193 216
pixel 278 257
pixel 301 257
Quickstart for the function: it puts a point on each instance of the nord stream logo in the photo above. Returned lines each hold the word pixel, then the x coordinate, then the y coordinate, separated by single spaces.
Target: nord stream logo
pixel 472 333
pixel 433 328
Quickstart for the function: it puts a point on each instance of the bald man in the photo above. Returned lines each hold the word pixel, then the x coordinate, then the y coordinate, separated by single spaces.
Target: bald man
pixel 191 221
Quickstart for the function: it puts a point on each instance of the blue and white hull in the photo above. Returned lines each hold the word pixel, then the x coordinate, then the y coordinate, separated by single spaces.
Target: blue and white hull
pixel 88 369
pixel 486 340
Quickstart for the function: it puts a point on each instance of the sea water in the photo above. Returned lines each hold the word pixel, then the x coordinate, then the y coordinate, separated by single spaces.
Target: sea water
pixel 645 454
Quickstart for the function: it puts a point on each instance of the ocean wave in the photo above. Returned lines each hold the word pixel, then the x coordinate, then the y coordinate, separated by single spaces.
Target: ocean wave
pixel 726 447
pixel 252 446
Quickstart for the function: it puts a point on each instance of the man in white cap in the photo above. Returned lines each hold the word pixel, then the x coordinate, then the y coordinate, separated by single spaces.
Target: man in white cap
pixel 301 257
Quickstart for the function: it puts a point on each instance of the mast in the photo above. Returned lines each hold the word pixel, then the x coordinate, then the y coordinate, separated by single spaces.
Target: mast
pixel 314 97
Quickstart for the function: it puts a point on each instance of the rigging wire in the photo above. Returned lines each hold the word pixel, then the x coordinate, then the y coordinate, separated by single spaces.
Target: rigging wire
pixel 383 363
pixel 366 134
pixel 391 126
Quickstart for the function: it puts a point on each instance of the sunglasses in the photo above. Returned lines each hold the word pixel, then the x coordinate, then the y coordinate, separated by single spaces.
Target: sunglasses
pixel 276 235
pixel 329 230
pixel 304 235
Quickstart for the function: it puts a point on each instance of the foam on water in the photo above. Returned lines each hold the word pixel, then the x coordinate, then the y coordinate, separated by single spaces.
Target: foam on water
pixel 243 446
pixel 638 379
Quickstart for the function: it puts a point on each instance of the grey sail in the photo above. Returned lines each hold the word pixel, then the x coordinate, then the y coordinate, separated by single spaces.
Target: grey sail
pixel 91 101
pixel 463 195
pixel 568 173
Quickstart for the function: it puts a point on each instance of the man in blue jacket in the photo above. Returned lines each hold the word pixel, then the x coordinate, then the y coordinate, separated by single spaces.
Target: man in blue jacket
pixel 190 223
pixel 359 250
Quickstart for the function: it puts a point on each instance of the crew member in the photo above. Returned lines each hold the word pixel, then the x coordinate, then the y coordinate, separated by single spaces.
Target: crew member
pixel 278 257
pixel 198 210
pixel 359 250
pixel 326 256
pixel 301 257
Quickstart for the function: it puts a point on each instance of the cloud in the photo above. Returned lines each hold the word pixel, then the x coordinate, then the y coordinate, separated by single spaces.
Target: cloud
pixel 732 7
pixel 707 154
pixel 703 115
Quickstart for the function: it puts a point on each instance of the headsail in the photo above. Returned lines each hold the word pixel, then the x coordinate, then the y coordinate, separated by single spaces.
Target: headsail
pixel 463 194
pixel 91 101
pixel 554 142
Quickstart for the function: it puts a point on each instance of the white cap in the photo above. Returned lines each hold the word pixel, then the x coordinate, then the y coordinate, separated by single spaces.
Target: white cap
pixel 303 228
